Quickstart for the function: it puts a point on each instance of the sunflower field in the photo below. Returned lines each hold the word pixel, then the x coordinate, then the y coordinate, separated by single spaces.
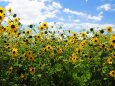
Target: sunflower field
pixel 37 56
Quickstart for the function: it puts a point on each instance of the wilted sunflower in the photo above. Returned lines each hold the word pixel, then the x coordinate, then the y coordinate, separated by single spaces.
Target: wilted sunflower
pixel 109 29
pixel 112 73
pixel 14 51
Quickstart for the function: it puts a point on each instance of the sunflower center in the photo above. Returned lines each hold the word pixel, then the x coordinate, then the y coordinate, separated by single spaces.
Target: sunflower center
pixel 44 24
pixel 113 41
pixel 95 40
pixel 0 17
pixel 108 29
pixel 38 36
pixel 41 28
pixel 1 11
pixel 14 52
pixel 12 26
pixel 110 60
pixel 31 58
pixel 113 73
pixel 32 69
pixel 48 47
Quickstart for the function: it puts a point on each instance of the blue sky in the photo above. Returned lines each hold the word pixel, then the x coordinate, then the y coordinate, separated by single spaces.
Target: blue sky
pixel 75 14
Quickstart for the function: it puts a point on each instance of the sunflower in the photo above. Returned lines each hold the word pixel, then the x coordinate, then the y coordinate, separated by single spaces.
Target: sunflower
pixel 74 34
pixel 74 58
pixel 113 36
pixel 83 34
pixel 31 58
pixel 48 47
pixel 112 41
pixel 14 51
pixel 10 69
pixel 38 36
pixel 45 25
pixel 59 50
pixel 28 32
pixel 109 29
pixel 82 44
pixel 32 70
pixel 113 54
pixel 109 60
pixel 1 17
pixel 25 56
pixel 41 27
pixel 13 26
pixel 95 40
pixel 52 55
pixel 112 73
pixel 2 10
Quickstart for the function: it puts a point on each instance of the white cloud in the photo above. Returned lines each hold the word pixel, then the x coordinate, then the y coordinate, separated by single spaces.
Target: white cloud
pixel 84 15
pixel 66 10
pixel 34 11
pixel 98 17
pixel 105 7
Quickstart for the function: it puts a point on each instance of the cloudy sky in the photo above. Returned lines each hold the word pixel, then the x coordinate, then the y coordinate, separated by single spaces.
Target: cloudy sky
pixel 74 14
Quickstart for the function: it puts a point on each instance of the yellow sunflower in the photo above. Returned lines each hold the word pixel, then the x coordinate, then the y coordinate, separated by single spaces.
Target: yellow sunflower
pixel 31 58
pixel 38 37
pixel 41 27
pixel 113 54
pixel 109 29
pixel 2 10
pixel 74 58
pixel 109 60
pixel 45 25
pixel 13 27
pixel 59 50
pixel 95 40
pixel 1 17
pixel 48 47
pixel 32 70
pixel 112 42
pixel 14 51
pixel 28 32
pixel 112 73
